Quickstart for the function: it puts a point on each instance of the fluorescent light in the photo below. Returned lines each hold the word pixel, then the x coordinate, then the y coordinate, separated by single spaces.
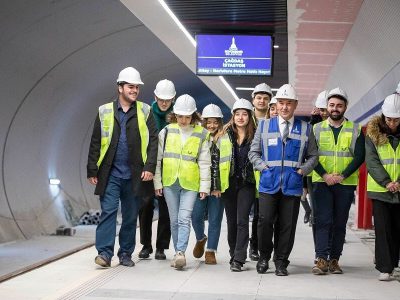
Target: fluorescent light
pixel 54 181
pixel 193 41
pixel 228 87
pixel 250 89
pixel 244 89
pixel 276 46
pixel 176 20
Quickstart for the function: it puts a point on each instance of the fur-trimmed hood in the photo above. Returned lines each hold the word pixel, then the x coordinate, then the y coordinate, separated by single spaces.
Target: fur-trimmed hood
pixel 374 132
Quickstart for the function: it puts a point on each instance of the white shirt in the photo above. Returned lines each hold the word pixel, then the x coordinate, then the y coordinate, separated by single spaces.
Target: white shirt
pixel 282 124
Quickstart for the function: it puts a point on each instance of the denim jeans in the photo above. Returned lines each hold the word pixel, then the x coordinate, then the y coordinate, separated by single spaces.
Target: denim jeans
pixel 214 207
pixel 180 204
pixel 117 189
pixel 332 205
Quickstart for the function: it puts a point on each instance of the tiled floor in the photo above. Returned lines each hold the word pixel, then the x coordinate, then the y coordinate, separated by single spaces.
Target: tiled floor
pixel 77 277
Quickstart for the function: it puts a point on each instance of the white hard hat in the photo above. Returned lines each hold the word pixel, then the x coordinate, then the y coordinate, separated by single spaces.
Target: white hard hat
pixel 398 89
pixel 242 103
pixel 212 111
pixel 337 92
pixel 165 89
pixel 129 75
pixel 262 88
pixel 391 106
pixel 321 101
pixel 286 91
pixel 185 105
pixel 273 101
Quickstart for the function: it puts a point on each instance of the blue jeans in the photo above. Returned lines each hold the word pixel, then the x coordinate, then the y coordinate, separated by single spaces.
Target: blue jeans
pixel 215 209
pixel 180 204
pixel 331 212
pixel 117 189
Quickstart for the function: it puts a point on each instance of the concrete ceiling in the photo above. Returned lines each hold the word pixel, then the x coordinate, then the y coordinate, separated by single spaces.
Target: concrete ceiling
pixel 317 33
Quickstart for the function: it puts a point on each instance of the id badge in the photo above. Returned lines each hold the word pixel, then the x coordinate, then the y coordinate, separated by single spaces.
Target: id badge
pixel 273 142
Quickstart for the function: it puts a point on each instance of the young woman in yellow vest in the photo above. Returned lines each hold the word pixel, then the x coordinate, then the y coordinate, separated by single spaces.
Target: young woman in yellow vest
pixel 212 205
pixel 383 164
pixel 240 194
pixel 183 171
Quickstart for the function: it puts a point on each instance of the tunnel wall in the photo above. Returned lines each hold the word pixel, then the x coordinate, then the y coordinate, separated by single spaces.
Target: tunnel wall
pixel 59 61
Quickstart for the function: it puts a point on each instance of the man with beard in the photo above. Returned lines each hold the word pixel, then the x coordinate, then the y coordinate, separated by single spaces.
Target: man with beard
pixel 121 163
pixel 341 152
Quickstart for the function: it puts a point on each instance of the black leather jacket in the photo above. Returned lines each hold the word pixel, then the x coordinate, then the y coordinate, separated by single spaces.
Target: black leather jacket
pixel 246 173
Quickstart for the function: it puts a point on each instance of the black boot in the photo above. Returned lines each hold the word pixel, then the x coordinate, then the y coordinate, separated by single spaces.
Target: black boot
pixel 253 251
pixel 145 252
pixel 307 209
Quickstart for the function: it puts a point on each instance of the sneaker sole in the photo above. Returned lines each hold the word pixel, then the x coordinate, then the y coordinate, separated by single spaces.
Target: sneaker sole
pixel 179 264
pixel 101 262
pixel 319 272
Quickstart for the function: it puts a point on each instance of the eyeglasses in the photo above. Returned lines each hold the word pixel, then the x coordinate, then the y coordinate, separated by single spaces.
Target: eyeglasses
pixel 164 101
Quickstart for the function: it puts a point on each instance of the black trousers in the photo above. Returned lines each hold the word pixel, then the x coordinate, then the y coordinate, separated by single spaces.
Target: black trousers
pixel 254 225
pixel 387 235
pixel 277 210
pixel 238 199
pixel 146 221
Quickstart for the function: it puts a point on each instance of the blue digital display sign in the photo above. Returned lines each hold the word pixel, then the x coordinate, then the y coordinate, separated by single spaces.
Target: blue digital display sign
pixel 234 55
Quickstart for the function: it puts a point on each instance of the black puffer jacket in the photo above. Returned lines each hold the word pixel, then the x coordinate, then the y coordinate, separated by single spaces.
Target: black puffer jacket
pixel 246 173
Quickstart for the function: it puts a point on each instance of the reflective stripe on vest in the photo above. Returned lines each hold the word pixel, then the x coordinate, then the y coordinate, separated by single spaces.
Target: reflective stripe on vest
pixel 106 115
pixel 225 155
pixel 180 161
pixel 334 158
pixel 283 160
pixel 390 162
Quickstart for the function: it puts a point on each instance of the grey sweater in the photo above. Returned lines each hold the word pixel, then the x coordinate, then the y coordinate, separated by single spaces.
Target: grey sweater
pixel 311 156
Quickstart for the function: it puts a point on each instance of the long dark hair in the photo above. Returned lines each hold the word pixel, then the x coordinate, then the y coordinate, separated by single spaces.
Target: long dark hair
pixel 385 129
pixel 220 126
pixel 250 127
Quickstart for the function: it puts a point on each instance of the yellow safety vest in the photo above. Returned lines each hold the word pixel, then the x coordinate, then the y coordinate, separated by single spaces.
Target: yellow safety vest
pixel 390 160
pixel 106 115
pixel 180 161
pixel 225 155
pixel 334 158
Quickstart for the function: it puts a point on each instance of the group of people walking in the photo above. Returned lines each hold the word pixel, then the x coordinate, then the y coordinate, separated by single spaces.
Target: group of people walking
pixel 197 167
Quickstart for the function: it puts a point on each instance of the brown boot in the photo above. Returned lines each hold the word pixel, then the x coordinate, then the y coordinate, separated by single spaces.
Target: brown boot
pixel 198 250
pixel 210 258
pixel 321 267
pixel 334 267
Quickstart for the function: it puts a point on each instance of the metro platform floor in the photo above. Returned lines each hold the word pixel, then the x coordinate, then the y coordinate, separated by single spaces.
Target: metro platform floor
pixel 77 277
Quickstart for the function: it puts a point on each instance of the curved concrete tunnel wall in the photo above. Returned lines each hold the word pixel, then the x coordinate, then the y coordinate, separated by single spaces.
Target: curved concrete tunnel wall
pixel 58 63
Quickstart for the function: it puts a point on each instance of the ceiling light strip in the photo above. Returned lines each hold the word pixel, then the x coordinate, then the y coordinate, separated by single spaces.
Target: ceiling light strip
pixel 176 20
pixel 193 41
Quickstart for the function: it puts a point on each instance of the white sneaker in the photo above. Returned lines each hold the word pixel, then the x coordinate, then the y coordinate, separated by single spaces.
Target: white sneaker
pixel 180 260
pixel 173 261
pixel 384 277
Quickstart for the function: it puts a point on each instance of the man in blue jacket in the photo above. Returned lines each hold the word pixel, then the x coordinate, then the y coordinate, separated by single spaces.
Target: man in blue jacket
pixel 283 150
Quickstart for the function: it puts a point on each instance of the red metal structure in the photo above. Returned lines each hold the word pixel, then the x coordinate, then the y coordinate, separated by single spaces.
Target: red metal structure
pixel 364 204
